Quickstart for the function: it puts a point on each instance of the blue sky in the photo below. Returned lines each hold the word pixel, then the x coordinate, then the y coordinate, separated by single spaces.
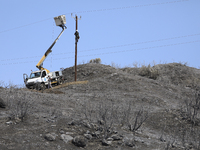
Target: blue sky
pixel 123 32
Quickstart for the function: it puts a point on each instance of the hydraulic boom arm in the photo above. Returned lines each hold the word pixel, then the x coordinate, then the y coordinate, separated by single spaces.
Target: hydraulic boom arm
pixel 40 63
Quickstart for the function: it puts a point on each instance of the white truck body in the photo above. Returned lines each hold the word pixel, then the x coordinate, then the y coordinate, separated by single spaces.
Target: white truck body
pixel 39 79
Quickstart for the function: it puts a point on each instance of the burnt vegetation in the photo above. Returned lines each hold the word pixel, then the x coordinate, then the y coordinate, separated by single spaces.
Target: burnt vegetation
pixel 141 107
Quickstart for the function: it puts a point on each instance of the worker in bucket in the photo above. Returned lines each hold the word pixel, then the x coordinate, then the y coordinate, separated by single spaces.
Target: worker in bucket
pixel 49 82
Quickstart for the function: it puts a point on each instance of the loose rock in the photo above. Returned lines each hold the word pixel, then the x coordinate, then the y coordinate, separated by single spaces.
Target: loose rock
pixel 66 138
pixel 9 122
pixel 50 136
pixel 106 143
pixel 79 141
pixel 116 137
pixel 129 142
pixel 88 136
pixel 86 124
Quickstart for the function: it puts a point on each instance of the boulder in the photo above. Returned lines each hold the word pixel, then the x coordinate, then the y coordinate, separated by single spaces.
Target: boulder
pixel 50 136
pixel 79 141
pixel 66 138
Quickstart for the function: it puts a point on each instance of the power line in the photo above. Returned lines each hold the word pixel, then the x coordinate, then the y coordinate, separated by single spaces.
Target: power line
pixel 116 46
pixel 130 44
pixel 137 49
pixel 97 10
pixel 128 7
pixel 24 25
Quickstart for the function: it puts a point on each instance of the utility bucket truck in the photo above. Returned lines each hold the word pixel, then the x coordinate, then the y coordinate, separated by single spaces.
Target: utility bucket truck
pixel 39 79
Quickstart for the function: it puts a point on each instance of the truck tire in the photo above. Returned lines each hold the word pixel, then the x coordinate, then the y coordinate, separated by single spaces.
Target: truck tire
pixel 36 86
pixel 42 86
pixel 59 81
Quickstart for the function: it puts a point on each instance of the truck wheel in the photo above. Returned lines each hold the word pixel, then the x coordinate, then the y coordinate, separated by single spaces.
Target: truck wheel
pixel 37 86
pixel 59 81
pixel 42 86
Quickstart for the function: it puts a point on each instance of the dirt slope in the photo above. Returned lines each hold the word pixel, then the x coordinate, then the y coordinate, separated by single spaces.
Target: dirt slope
pixel 105 107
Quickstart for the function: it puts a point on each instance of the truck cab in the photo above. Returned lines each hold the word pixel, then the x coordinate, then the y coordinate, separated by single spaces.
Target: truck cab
pixel 36 78
pixel 39 79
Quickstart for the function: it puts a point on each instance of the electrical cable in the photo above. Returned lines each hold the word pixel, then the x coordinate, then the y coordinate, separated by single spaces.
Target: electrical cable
pixel 137 49
pixel 25 25
pixel 97 10
pixel 130 44
pixel 116 46
pixel 152 47
pixel 128 7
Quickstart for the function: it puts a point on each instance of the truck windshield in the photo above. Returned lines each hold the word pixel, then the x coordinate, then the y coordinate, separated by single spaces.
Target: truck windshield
pixel 35 75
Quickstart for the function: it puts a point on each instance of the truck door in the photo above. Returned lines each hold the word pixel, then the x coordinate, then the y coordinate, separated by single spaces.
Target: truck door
pixel 44 78
pixel 25 76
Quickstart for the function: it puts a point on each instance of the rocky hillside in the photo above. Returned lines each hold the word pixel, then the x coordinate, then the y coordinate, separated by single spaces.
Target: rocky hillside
pixel 117 109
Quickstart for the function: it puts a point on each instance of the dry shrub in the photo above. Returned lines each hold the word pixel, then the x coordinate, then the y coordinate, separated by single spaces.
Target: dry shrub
pixel 96 61
pixel 100 116
pixel 105 115
pixel 132 118
pixel 1 84
pixel 187 128
pixel 191 109
pixel 114 65
pixel 19 104
pixel 148 71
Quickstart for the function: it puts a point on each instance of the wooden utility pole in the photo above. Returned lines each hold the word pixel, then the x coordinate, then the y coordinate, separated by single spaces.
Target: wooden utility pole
pixel 76 41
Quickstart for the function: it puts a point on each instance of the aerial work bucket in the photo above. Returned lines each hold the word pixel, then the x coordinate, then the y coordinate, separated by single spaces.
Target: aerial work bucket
pixel 60 20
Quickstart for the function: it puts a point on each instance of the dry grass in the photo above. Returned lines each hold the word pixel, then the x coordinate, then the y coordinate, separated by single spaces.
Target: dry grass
pixel 70 83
